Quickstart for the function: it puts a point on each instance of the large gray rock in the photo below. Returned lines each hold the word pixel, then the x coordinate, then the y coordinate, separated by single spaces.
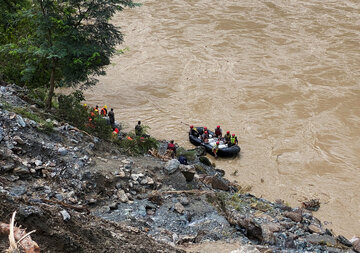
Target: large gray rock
pixel 171 166
pixel 65 215
pixel 18 140
pixel 62 151
pixel 20 121
pixel 1 134
pixel 321 239
pixel 122 196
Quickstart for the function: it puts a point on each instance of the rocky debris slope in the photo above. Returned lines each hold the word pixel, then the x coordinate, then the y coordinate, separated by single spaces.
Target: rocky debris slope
pixel 82 194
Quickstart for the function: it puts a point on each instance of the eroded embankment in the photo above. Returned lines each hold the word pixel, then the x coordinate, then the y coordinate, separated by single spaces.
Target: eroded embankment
pixel 83 194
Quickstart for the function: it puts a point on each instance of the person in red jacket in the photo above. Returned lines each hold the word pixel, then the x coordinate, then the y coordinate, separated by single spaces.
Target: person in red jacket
pixel 218 132
pixel 171 146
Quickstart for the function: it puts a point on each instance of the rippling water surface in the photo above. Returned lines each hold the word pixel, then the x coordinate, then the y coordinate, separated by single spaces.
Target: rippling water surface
pixel 284 75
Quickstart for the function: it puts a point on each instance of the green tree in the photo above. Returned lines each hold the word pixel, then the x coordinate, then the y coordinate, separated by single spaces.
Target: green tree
pixel 73 41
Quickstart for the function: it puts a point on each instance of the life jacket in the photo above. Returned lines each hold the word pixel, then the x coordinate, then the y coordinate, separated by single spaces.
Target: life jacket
pixel 171 146
pixel 218 131
pixel 215 148
pixel 103 111
pixel 227 137
pixel 233 139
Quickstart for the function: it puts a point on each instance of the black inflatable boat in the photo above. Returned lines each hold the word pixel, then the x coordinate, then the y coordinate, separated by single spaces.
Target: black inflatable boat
pixel 224 150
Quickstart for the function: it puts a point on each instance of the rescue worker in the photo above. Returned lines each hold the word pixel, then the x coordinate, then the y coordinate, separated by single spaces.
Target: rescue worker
pixel 111 117
pixel 218 132
pixel 233 140
pixel 138 129
pixel 227 137
pixel 96 110
pixel 171 146
pixel 103 111
pixel 194 131
pixel 205 137
pixel 215 149
pixel 115 133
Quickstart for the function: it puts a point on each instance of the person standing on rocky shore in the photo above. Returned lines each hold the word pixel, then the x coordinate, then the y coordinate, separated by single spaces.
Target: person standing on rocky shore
pixel 111 117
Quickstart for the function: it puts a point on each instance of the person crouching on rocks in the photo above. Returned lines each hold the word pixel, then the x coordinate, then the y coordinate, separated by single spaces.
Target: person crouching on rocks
pixel 171 146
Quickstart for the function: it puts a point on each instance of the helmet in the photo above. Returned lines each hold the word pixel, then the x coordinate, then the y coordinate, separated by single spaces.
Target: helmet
pixel 233 135
pixel 217 143
pixel 85 105
pixel 191 126
pixel 105 107
pixel 116 130
pixel 218 126
pixel 227 132
pixel 205 128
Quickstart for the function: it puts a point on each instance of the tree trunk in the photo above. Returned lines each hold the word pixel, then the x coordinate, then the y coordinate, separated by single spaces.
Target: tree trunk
pixel 52 87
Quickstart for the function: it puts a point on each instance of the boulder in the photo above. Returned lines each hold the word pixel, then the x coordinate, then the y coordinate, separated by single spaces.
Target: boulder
pixel 65 215
pixel 205 160
pixel 341 239
pixel 20 121
pixel 62 151
pixel 321 239
pixel 178 207
pixel 122 196
pixel 297 217
pixel 21 171
pixel 356 244
pixel 216 183
pixel 1 134
pixel 171 166
pixel 315 229
pixel 18 140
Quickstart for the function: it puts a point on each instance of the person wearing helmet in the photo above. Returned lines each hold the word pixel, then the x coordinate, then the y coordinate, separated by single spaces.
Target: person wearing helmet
pixel 227 137
pixel 103 111
pixel 205 137
pixel 215 149
pixel 193 131
pixel 233 140
pixel 218 132
pixel 171 146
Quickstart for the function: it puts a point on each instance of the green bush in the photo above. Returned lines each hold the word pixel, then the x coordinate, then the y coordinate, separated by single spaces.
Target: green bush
pixel 71 110
pixel 137 145
pixel 189 154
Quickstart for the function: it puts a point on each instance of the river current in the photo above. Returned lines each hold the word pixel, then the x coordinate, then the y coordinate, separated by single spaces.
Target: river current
pixel 284 75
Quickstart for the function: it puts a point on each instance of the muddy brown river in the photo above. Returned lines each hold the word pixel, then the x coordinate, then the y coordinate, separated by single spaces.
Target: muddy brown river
pixel 284 75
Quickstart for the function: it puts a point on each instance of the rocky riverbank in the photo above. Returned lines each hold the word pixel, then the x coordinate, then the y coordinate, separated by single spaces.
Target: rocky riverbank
pixel 83 194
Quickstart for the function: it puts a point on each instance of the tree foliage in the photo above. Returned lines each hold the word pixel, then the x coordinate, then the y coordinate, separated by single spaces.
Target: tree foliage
pixel 66 42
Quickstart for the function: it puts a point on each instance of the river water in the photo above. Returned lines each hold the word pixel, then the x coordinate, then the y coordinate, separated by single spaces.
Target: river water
pixel 284 75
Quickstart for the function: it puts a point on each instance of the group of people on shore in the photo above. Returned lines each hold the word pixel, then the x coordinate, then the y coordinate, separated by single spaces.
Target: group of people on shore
pixel 204 135
pixel 110 117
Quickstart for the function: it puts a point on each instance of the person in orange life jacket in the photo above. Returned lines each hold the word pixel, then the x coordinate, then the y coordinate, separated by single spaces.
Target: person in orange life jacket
pixel 96 110
pixel 194 131
pixel 205 137
pixel 111 117
pixel 218 132
pixel 233 140
pixel 171 146
pixel 103 111
pixel 227 137
pixel 215 149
